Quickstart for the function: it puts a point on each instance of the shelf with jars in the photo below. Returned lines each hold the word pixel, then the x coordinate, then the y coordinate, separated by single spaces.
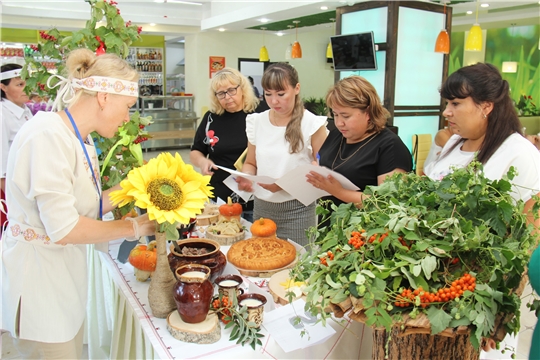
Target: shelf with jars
pixel 149 63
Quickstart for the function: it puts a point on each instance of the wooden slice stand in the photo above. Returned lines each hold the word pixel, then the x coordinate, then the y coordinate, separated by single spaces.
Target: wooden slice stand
pixel 225 240
pixel 412 339
pixel 206 332
pixel 265 273
pixel 278 292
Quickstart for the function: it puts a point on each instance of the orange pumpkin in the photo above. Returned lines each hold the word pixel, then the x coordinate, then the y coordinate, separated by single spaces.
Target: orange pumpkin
pixel 263 228
pixel 230 210
pixel 144 260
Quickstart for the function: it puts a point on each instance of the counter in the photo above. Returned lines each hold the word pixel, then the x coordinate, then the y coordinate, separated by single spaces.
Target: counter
pixel 174 123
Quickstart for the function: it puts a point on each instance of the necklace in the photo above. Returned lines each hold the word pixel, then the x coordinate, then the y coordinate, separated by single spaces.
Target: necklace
pixel 343 161
pixel 273 119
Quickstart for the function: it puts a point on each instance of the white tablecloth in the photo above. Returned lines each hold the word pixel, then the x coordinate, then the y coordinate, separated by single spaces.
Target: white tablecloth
pixel 121 326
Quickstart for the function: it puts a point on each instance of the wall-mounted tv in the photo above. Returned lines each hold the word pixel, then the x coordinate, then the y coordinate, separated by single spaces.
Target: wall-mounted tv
pixel 354 52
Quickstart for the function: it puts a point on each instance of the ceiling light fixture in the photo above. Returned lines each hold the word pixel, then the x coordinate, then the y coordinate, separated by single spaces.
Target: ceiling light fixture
pixel 324 7
pixel 484 5
pixel 152 24
pixel 469 12
pixel 280 33
pixel 288 50
pixel 474 40
pixel 263 53
pixel 221 29
pixel 180 2
pixel 510 66
pixel 329 53
pixel 264 20
pixel 442 45
pixel 296 48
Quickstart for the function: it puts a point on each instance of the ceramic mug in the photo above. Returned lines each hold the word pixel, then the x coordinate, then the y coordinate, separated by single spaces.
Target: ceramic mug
pixel 255 305
pixel 228 283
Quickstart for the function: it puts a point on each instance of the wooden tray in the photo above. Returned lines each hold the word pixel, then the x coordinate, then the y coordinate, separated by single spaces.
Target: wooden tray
pixel 265 273
pixel 209 216
pixel 225 239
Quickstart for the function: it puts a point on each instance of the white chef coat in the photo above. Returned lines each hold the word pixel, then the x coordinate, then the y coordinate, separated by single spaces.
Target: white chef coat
pixel 49 186
pixel 12 118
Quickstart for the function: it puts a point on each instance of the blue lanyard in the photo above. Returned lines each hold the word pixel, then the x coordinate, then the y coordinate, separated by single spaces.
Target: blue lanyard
pixel 96 183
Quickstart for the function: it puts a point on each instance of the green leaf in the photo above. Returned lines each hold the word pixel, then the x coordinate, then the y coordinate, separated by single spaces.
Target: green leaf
pixel 331 282
pixel 438 319
pixel 429 264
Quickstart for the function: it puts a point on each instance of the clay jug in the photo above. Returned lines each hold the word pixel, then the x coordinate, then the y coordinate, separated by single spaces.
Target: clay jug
pixel 198 251
pixel 193 292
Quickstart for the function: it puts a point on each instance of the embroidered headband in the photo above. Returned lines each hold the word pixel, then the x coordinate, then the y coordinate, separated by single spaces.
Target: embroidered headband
pixel 67 89
pixel 10 74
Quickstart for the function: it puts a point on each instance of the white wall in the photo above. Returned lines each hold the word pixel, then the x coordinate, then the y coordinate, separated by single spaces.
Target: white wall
pixel 316 76
pixel 173 54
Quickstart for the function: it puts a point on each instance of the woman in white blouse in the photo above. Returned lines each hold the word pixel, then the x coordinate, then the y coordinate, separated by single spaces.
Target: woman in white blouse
pixel 55 201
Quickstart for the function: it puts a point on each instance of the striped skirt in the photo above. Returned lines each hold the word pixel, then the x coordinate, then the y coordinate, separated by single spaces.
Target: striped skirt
pixel 291 217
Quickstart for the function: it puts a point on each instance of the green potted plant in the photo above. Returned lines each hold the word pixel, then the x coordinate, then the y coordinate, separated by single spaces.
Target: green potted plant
pixel 447 257
pixel 117 155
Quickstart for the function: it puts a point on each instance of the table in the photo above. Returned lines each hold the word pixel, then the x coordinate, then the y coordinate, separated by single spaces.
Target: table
pixel 121 326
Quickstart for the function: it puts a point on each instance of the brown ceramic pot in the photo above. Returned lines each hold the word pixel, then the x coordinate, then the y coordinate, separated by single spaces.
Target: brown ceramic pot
pixel 213 258
pixel 193 292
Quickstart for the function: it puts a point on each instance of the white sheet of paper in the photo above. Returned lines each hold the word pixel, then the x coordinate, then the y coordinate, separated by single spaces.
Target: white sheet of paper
pixel 278 324
pixel 257 190
pixel 294 182
pixel 233 185
pixel 254 178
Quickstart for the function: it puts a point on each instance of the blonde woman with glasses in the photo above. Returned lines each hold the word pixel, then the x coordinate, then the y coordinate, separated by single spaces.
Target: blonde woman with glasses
pixel 221 136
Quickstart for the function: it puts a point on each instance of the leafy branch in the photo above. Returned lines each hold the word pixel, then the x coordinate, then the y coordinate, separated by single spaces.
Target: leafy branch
pixel 236 317
pixel 453 250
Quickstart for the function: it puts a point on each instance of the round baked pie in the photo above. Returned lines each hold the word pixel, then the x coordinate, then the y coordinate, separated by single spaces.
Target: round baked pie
pixel 261 254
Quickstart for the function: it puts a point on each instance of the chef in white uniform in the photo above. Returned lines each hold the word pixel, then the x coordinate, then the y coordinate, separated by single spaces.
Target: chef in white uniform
pixel 14 113
pixel 55 202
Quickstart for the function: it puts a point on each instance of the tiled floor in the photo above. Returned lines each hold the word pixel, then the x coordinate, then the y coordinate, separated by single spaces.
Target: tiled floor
pixel 528 319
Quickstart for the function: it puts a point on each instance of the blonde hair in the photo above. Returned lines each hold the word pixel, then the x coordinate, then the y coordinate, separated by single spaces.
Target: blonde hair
pixel 234 77
pixel 276 78
pixel 83 63
pixel 358 93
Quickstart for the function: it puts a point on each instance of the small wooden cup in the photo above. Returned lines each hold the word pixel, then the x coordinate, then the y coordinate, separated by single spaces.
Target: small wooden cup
pixel 255 304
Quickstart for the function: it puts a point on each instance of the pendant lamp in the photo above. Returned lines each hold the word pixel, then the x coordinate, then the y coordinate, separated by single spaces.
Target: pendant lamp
pixel 288 51
pixel 510 66
pixel 442 45
pixel 296 52
pixel 329 54
pixel 263 53
pixel 474 40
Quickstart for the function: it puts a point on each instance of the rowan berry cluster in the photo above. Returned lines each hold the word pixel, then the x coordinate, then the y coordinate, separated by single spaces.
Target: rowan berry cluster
pixel 330 256
pixel 221 306
pixel 128 24
pixel 357 238
pixel 458 287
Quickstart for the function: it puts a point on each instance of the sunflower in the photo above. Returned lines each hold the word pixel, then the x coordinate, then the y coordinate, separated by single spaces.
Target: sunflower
pixel 171 191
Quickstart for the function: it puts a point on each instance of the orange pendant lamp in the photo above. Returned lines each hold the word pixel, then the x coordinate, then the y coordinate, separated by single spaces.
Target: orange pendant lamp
pixel 442 45
pixel 296 52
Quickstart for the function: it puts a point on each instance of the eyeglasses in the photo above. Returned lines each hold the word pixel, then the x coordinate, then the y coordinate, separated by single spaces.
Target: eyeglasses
pixel 231 92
